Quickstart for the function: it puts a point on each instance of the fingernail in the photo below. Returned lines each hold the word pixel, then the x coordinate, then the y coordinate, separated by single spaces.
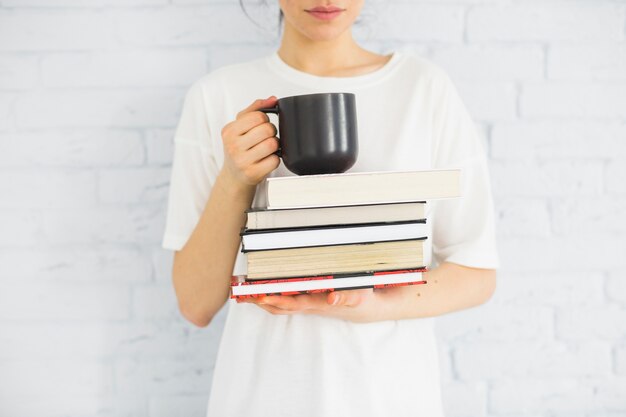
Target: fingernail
pixel 337 299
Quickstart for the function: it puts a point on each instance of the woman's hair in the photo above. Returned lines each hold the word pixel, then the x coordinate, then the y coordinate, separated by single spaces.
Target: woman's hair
pixel 264 3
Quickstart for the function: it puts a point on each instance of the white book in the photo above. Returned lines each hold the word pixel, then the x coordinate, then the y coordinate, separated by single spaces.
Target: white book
pixel 321 216
pixel 348 189
pixel 336 235
pixel 239 287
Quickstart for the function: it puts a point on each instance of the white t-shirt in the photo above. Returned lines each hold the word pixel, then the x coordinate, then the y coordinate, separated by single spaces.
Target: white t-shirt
pixel 410 117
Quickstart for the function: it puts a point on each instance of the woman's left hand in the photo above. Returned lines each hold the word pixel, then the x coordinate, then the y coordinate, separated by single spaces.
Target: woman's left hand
pixel 354 305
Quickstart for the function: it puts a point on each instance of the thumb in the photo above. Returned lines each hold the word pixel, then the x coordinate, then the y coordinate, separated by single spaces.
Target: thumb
pixel 258 104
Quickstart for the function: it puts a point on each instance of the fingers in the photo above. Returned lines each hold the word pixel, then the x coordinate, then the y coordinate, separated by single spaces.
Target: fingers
pixel 287 303
pixel 258 104
pixel 348 298
pixel 249 118
pixel 250 142
pixel 256 135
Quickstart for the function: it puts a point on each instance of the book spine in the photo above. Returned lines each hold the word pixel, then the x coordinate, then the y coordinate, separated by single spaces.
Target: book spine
pixel 291 293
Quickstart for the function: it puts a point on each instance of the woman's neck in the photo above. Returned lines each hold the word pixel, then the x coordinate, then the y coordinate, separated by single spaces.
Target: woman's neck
pixel 338 57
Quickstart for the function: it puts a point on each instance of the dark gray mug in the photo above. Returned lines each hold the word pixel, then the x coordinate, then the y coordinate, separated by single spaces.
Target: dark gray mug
pixel 317 132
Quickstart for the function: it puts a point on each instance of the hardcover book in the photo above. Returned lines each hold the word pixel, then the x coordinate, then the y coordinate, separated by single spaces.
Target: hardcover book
pixel 242 288
pixel 347 189
pixel 337 259
pixel 320 216
pixel 253 240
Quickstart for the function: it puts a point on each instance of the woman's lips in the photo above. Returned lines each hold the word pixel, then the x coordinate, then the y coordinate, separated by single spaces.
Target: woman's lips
pixel 325 15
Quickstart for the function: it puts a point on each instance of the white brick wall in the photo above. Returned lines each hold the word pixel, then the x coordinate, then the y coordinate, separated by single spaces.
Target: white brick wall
pixel 90 93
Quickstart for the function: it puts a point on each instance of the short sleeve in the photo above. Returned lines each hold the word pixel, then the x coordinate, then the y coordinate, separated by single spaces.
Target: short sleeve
pixel 194 170
pixel 463 229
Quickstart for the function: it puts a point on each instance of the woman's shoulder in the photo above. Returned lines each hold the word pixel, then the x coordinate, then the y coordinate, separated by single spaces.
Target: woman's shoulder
pixel 230 72
pixel 423 67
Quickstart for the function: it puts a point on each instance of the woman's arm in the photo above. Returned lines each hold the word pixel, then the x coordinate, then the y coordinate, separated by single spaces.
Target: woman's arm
pixel 203 267
pixel 450 287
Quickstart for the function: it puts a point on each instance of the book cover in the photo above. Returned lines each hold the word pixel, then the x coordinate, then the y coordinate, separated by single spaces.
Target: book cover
pixel 336 259
pixel 262 218
pixel 241 287
pixel 360 188
pixel 254 240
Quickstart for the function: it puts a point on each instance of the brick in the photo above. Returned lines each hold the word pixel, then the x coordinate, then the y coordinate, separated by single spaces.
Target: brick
pixel 587 62
pixel 540 396
pixel 64 301
pixel 532 359
pixel 220 23
pixel 491 63
pixel 6 111
pixel 164 376
pixel 548 179
pixel 58 378
pixel 493 322
pixel 142 224
pixel 77 264
pixel 558 140
pixel 162 264
pixel 75 340
pixel 524 289
pixel 100 109
pixel 560 254
pixel 76 148
pixel 522 217
pixel 575 21
pixel 464 399
pixel 18 72
pixel 423 22
pixel 26 30
pixel 160 146
pixel 616 287
pixel 576 217
pixel 604 322
pixel 82 3
pixel 559 100
pixel 20 227
pixel 488 101
pixel 609 394
pixel 80 405
pixel 47 189
pixel 620 359
pixel 125 68
pixel 145 185
pixel 155 303
pixel 615 174
pixel 171 405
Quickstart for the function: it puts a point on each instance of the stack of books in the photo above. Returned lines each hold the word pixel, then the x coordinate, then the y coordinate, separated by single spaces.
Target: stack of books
pixel 327 232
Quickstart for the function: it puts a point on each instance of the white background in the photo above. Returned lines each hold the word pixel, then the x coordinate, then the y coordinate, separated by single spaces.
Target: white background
pixel 90 92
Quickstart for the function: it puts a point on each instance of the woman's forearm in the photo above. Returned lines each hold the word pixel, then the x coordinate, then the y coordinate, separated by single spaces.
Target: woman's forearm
pixel 450 287
pixel 202 269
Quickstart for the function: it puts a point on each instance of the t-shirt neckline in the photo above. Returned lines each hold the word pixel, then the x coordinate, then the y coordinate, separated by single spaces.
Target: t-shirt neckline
pixel 279 66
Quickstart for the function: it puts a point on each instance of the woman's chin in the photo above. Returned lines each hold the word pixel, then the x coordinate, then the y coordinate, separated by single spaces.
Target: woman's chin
pixel 324 34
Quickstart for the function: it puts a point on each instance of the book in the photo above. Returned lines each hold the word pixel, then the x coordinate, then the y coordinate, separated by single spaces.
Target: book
pixel 337 259
pixel 319 216
pixel 242 288
pixel 331 235
pixel 348 189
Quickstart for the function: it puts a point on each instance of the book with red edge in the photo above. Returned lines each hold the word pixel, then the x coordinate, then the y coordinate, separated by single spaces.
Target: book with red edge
pixel 241 288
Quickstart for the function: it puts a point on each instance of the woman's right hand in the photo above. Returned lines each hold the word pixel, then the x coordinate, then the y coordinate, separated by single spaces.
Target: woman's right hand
pixel 249 144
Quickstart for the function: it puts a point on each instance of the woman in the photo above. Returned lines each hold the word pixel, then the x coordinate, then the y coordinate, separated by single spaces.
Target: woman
pixel 348 353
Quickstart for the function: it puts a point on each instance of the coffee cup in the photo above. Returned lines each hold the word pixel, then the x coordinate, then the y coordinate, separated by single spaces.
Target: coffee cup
pixel 317 132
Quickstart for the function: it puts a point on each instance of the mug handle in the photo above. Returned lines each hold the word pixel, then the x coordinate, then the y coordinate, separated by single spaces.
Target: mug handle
pixel 275 111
